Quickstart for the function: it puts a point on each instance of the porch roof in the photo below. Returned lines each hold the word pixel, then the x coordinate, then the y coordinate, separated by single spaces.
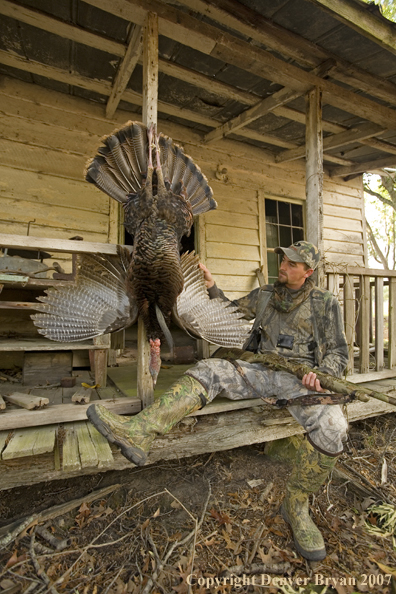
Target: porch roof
pixel 237 69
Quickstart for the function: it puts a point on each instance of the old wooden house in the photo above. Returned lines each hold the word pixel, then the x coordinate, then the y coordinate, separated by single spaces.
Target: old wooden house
pixel 284 104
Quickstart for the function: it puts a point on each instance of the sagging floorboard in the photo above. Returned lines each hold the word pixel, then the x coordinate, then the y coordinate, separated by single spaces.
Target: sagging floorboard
pixel 79 449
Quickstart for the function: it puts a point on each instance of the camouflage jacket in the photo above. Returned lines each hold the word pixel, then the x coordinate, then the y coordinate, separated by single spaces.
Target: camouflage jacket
pixel 312 333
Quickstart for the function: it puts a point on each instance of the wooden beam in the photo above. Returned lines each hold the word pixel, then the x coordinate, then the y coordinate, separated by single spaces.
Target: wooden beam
pixel 356 134
pixel 56 26
pixel 314 175
pixel 364 167
pixel 145 388
pixel 224 46
pixel 261 108
pixel 125 70
pixel 355 15
pixel 63 413
pixel 253 25
pixel 257 111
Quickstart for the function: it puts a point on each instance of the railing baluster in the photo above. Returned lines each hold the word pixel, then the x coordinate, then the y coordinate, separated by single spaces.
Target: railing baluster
pixel 392 323
pixel 349 318
pixel 379 323
pixel 364 338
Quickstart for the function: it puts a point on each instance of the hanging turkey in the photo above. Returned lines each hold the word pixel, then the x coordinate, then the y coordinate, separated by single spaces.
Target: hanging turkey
pixel 161 190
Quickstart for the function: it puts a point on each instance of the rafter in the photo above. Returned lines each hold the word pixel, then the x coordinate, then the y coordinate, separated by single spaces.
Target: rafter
pixel 103 87
pixel 233 14
pixel 263 107
pixel 356 134
pixel 363 167
pixel 242 54
pixel 125 70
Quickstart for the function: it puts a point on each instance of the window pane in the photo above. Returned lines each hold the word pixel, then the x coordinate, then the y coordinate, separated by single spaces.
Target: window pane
pixel 270 211
pixel 272 266
pixel 297 215
pixel 298 234
pixel 285 236
pixel 284 213
pixel 272 235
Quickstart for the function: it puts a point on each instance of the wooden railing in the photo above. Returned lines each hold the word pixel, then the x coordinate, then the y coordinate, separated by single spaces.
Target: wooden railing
pixel 368 299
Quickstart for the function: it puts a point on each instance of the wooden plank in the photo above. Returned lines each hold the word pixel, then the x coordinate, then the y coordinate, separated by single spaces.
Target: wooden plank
pixel 349 319
pixel 379 323
pixel 341 224
pixel 210 433
pixel 64 413
pixel 233 235
pixel 21 444
pixel 145 386
pixel 40 344
pixel 60 245
pixel 228 250
pixel 2 403
pixel 262 237
pixel 88 454
pixel 364 167
pixel 102 447
pixel 392 323
pixel 3 439
pixel 125 70
pixel 82 396
pixel 290 44
pixel 70 454
pixel 355 134
pixel 46 368
pixel 254 59
pixel 354 15
pixel 26 400
pixel 261 108
pixel 314 175
pixel 364 325
pixel 230 219
pixel 56 26
pixel 45 440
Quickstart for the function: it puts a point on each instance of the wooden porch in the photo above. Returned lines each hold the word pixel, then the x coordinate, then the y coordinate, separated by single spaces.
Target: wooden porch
pixel 56 441
pixel 55 447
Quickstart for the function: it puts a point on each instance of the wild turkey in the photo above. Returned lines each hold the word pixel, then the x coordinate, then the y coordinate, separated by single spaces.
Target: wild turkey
pixel 110 292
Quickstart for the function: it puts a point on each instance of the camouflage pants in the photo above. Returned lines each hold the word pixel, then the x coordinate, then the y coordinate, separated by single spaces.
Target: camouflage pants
pixel 325 424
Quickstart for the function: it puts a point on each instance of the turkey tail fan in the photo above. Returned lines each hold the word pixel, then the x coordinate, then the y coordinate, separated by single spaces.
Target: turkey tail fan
pixel 120 165
pixel 214 320
pixel 179 169
pixel 96 303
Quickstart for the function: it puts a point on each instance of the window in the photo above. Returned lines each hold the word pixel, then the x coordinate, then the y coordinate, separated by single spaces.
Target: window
pixel 284 224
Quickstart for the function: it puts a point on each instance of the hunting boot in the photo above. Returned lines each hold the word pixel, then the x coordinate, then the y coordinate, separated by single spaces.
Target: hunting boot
pixel 134 435
pixel 309 473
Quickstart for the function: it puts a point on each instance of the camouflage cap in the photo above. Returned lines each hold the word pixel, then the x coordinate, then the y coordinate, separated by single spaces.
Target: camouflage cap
pixel 301 251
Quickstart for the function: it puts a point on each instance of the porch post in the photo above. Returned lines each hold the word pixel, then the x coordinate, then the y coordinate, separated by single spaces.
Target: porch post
pixel 145 389
pixel 314 175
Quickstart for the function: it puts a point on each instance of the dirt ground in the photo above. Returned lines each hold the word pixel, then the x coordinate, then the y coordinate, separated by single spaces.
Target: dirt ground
pixel 206 524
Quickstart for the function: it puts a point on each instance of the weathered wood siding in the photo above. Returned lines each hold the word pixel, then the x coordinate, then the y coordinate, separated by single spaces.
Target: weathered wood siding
pixel 46 138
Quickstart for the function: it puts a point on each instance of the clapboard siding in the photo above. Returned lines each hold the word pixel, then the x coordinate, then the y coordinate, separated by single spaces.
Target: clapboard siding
pixel 46 138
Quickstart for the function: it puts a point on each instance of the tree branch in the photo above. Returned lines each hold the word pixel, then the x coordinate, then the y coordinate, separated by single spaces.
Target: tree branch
pixel 376 247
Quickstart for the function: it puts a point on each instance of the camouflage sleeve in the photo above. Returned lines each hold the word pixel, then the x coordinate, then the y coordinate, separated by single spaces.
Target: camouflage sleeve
pixel 335 357
pixel 246 304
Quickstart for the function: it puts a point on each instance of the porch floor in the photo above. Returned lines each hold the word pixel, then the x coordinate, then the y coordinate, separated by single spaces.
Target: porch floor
pixel 43 445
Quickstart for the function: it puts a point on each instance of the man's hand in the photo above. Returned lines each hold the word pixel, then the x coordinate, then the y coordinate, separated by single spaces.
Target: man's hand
pixel 311 382
pixel 209 282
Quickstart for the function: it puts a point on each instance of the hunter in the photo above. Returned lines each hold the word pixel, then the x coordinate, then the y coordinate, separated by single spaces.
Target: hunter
pixel 295 319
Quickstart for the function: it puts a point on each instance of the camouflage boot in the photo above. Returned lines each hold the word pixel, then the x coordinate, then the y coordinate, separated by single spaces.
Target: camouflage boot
pixel 309 473
pixel 134 435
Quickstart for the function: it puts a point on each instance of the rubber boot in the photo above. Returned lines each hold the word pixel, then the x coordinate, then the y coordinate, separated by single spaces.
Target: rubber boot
pixel 309 473
pixel 134 435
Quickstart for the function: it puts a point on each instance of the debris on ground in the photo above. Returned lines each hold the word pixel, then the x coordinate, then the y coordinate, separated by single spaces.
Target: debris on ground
pixel 210 523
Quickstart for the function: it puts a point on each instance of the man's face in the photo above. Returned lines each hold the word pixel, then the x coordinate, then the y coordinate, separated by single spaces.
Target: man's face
pixel 293 274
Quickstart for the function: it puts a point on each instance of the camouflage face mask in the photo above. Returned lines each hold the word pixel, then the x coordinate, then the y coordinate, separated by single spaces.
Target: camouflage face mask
pixel 284 300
